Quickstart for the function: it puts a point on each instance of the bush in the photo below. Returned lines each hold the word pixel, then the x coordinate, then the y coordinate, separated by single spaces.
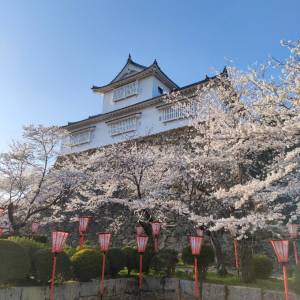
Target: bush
pixel 41 239
pixel 131 258
pixel 43 260
pixel 30 246
pixel 87 264
pixel 116 261
pixel 296 284
pixel 164 262
pixel 205 259
pixel 263 266
pixel 70 251
pixel 15 262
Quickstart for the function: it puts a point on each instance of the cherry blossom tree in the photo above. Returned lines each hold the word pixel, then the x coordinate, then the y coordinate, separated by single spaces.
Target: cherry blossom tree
pixel 30 184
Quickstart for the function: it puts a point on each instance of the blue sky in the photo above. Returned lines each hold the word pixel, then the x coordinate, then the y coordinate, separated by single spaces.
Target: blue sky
pixel 52 52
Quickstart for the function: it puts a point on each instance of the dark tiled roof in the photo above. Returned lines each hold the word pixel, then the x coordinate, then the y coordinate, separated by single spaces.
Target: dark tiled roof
pixel 224 73
pixel 129 60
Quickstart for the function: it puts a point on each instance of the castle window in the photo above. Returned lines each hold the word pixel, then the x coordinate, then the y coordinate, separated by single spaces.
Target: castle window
pixel 175 112
pixel 125 91
pixel 160 90
pixel 124 125
pixel 80 137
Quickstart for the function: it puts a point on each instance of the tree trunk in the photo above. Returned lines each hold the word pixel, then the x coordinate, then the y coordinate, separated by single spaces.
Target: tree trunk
pixel 219 255
pixel 246 260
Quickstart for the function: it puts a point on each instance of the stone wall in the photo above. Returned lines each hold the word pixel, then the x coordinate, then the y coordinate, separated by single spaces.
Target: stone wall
pixel 153 289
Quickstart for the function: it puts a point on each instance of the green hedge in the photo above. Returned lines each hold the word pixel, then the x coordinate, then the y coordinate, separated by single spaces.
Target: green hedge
pixel 116 261
pixel 263 266
pixel 297 279
pixel 131 258
pixel 15 262
pixel 30 246
pixel 87 264
pixel 164 262
pixel 43 260
pixel 205 259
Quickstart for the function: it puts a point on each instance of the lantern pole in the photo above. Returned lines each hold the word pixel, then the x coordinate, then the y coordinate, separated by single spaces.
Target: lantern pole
pixel 232 231
pixel 196 244
pixel 104 239
pixel 156 226
pixel 293 231
pixel 295 251
pixel 53 276
pixel 142 241
pixel 281 249
pixel 83 225
pixel 58 241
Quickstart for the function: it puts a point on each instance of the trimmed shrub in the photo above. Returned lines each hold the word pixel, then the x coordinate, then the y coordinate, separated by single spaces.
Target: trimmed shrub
pixel 30 246
pixel 15 262
pixel 296 284
pixel 131 258
pixel 263 266
pixel 41 239
pixel 70 251
pixel 87 264
pixel 164 262
pixel 116 261
pixel 205 259
pixel 43 260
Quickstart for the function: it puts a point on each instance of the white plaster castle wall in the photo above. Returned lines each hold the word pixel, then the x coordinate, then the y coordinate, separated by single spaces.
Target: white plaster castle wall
pixel 147 89
pixel 148 124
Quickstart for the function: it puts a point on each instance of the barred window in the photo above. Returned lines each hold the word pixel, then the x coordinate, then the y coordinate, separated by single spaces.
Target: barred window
pixel 123 125
pixel 125 91
pixel 175 112
pixel 81 137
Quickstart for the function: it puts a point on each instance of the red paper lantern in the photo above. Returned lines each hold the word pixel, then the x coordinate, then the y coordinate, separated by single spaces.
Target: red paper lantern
pixel 83 224
pixel 58 240
pixel 139 229
pixel 34 228
pixel 104 241
pixel 200 232
pixel 156 228
pixel 293 230
pixel 232 230
pixel 196 244
pixel 281 248
pixel 141 241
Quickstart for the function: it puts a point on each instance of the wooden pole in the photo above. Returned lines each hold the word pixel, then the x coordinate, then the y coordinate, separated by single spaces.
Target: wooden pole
pixel 285 280
pixel 53 277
